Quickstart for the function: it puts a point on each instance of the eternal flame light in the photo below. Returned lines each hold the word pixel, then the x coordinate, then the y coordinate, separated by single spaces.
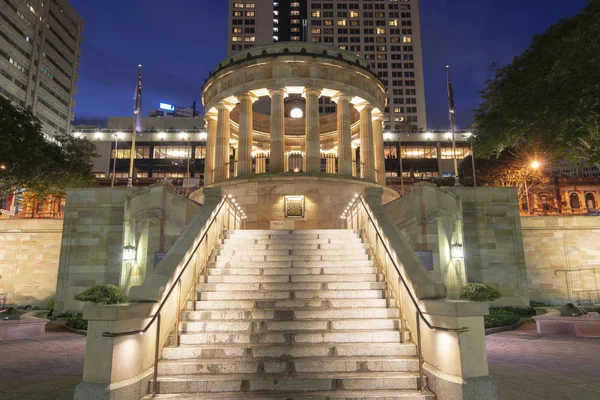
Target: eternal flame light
pixel 457 251
pixel 296 113
pixel 535 164
pixel 129 253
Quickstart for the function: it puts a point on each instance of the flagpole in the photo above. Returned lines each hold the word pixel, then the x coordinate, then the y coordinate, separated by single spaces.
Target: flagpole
pixel 136 115
pixel 452 125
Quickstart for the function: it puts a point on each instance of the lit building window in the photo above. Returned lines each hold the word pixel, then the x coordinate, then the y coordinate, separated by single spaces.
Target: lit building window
pixel 380 31
pixel 406 39
pixel 354 14
pixel 341 22
pixel 316 14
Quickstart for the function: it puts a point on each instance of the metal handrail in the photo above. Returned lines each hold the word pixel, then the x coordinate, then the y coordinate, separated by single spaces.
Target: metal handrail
pixel 166 297
pixel 419 313
pixel 429 325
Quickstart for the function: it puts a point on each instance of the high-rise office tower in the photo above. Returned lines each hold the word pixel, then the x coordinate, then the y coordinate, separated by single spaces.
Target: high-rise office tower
pixel 387 33
pixel 39 55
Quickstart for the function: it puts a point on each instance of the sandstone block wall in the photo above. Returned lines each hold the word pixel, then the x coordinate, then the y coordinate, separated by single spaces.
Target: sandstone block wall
pixel 29 251
pixel 493 241
pixel 262 198
pixel 563 258
pixel 92 242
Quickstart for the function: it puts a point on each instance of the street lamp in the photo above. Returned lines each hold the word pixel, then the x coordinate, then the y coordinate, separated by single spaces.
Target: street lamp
pixel 534 165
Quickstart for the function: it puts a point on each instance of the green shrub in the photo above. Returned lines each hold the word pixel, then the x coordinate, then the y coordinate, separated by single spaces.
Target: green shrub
pixel 479 292
pixel 499 317
pixel 522 311
pixel 109 294
pixel 76 321
pixel 534 303
pixel 51 304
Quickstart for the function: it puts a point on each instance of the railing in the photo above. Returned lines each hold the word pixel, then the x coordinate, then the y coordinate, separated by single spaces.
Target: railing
pixel 352 216
pixel 227 216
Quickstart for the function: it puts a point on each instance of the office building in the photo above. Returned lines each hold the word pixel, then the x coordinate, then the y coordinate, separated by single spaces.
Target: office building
pixel 386 33
pixel 40 45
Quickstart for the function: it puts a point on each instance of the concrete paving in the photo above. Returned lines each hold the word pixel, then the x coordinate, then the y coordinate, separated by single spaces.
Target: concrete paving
pixel 528 366
pixel 46 368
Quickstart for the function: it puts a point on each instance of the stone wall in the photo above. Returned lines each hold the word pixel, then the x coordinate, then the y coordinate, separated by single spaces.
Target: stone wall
pixel 430 220
pixel 563 258
pixel 493 242
pixel 262 198
pixel 484 220
pixel 100 222
pixel 29 250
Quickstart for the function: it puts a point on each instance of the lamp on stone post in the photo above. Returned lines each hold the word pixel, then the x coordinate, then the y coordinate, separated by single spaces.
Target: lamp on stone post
pixel 534 165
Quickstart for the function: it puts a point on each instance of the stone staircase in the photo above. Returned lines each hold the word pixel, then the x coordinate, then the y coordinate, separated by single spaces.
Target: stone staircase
pixel 290 315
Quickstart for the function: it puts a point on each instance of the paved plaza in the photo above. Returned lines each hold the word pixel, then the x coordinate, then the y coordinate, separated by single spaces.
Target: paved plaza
pixel 525 365
pixel 550 367
pixel 45 368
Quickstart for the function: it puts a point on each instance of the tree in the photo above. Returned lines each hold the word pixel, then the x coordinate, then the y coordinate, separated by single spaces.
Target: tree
pixel 550 94
pixel 507 170
pixel 31 160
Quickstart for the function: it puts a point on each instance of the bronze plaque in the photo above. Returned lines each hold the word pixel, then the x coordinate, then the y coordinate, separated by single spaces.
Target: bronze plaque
pixel 294 206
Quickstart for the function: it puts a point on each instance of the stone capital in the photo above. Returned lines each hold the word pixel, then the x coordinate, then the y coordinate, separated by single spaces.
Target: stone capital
pixel 225 105
pixel 340 97
pixel 247 96
pixel 363 106
pixel 277 91
pixel 311 91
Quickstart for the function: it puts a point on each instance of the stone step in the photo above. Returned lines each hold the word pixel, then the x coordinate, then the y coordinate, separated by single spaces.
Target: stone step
pixel 296 382
pixel 306 236
pixel 272 326
pixel 253 232
pixel 261 315
pixel 306 257
pixel 226 287
pixel 289 305
pixel 291 295
pixel 328 395
pixel 234 270
pixel 290 241
pixel 291 264
pixel 281 366
pixel 249 251
pixel 290 337
pixel 330 278
pixel 245 351
pixel 294 245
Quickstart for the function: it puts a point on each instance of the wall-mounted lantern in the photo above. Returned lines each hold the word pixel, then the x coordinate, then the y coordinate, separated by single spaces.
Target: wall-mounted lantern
pixel 457 251
pixel 129 253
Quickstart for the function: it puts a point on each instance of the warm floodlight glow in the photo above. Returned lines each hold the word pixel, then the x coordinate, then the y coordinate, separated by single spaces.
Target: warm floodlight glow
pixel 129 253
pixel 535 164
pixel 457 251
pixel 387 136
pixel 296 113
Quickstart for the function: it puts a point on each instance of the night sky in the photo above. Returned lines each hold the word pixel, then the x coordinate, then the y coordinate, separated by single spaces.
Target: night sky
pixel 180 41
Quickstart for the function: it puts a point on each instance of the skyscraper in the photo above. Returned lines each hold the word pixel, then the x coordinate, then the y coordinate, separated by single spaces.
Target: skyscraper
pixel 387 33
pixel 39 55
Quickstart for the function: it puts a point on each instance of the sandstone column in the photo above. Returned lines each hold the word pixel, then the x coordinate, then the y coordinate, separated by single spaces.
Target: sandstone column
pixel 313 130
pixel 378 149
pixel 211 144
pixel 277 130
pixel 344 135
pixel 223 134
pixel 244 153
pixel 367 159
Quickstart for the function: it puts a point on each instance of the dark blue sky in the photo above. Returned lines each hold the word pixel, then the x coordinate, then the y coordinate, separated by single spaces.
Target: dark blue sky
pixel 180 41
